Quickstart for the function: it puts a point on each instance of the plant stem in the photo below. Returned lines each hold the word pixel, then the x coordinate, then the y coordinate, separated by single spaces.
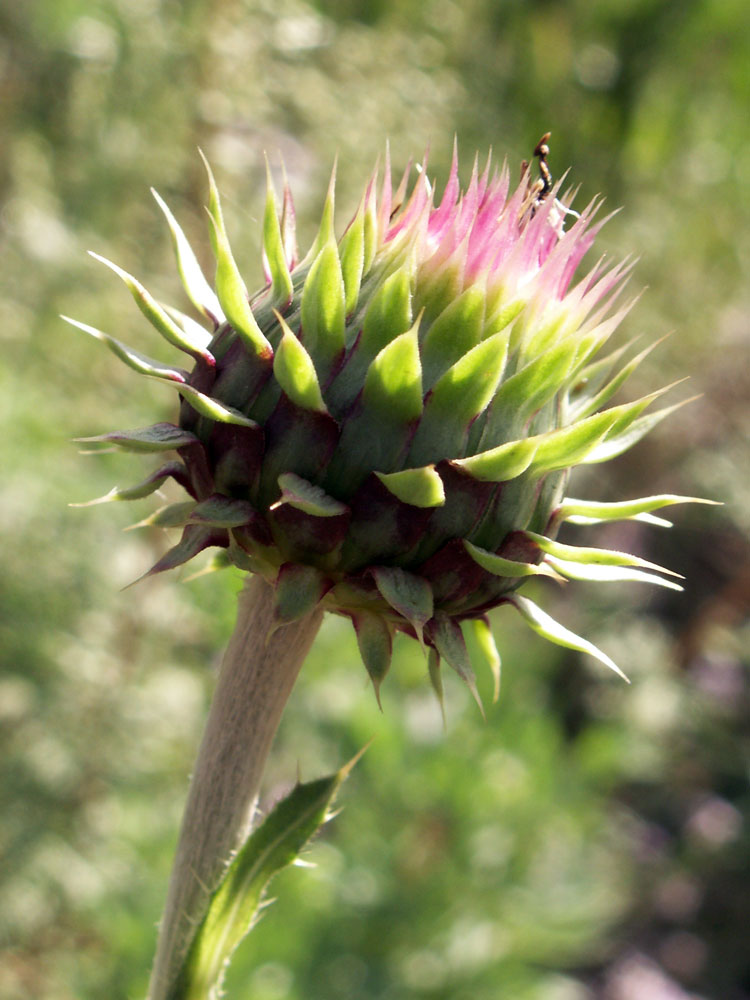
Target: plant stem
pixel 254 684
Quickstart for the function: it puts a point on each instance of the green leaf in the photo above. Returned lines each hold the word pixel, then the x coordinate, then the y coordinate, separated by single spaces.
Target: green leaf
pixel 393 384
pixel 407 594
pixel 134 359
pixel 171 515
pixel 500 464
pixel 295 371
pixel 560 449
pixel 436 680
pixel 388 314
pixel 325 232
pixel 193 280
pixel 615 444
pixel 298 590
pixel 307 497
pixel 375 641
pixel 375 431
pixel 592 377
pixel 591 512
pixel 273 249
pixel 203 404
pixel 370 236
pixel 276 844
pixel 352 256
pixel 457 399
pixel 598 573
pixel 499 566
pixel 159 437
pixel 481 634
pixel 546 626
pixel 157 315
pixel 142 489
pixel 195 539
pixel 454 333
pixel 323 308
pixel 446 635
pixel 527 390
pixel 221 560
pixel 230 287
pixel 419 487
pixel 595 401
pixel 191 327
pixel 212 408
pixel 591 556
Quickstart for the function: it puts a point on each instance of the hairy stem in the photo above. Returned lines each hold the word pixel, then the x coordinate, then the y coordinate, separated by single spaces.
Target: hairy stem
pixel 253 687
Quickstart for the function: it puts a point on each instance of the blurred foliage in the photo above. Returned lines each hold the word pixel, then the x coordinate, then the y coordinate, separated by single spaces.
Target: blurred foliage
pixel 590 840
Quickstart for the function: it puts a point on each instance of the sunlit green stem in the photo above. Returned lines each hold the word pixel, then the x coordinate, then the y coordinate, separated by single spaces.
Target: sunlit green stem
pixel 253 687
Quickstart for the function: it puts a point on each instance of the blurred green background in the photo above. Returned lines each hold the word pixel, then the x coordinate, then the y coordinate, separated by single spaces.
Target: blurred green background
pixel 590 840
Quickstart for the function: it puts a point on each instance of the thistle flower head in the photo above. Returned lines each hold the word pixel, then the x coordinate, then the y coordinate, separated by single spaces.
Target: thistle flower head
pixel 388 426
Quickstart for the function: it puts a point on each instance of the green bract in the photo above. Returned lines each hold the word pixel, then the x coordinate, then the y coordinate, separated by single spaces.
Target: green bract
pixel 387 428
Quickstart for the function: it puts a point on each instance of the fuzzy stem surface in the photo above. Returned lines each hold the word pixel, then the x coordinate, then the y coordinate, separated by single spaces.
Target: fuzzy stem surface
pixel 255 681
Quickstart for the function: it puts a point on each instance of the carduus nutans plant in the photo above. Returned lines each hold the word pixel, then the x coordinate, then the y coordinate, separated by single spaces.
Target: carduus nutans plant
pixel 388 426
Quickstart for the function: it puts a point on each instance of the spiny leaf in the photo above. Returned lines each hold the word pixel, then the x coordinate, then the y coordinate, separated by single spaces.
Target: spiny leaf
pixel 591 512
pixel 454 333
pixel 458 397
pixel 436 680
pixel 388 314
pixel 323 308
pixel 212 408
pixel 615 445
pixel 194 282
pixel 546 626
pixel 592 377
pixel 590 404
pixel 273 249
pixel 171 515
pixel 446 635
pixel 352 256
pixel 559 449
pixel 276 843
pixel 195 539
pixel 499 566
pixel 157 315
pixel 295 371
pixel 197 333
pixel 528 389
pixel 216 563
pixel 591 556
pixel 158 437
pixel 134 359
pixel 230 287
pixel 481 633
pixel 325 232
pixel 393 385
pixel 370 223
pixel 599 573
pixel 142 489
